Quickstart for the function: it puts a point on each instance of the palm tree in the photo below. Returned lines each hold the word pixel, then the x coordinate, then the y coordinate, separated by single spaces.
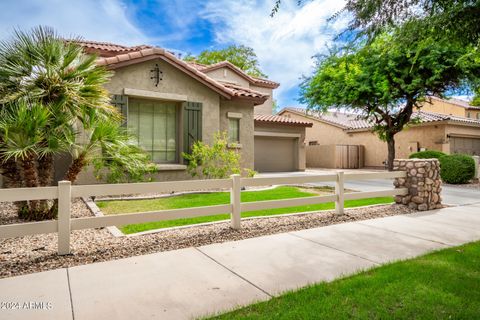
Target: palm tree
pixel 51 92
pixel 21 128
pixel 40 70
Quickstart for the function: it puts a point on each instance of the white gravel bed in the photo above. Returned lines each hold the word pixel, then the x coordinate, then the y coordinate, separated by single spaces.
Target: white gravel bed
pixel 37 253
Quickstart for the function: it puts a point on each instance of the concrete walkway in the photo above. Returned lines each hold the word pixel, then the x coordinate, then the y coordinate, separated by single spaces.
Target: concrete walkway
pixel 195 282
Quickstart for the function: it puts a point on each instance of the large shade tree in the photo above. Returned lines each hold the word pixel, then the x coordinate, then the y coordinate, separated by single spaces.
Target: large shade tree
pixel 51 95
pixel 454 19
pixel 241 56
pixel 386 80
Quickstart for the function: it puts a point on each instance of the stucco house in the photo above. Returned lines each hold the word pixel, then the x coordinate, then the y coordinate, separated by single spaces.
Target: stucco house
pixel 170 103
pixel 453 107
pixel 342 140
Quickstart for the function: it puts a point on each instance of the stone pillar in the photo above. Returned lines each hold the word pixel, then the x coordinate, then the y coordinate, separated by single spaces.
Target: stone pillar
pixel 422 181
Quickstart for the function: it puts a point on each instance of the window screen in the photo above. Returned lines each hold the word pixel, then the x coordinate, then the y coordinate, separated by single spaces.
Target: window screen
pixel 155 126
pixel 233 130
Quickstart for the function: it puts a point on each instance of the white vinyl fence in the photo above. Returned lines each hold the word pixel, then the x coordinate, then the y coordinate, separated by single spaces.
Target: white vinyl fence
pixel 65 192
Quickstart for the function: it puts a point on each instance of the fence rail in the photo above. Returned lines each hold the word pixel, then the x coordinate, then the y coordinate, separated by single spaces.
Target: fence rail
pixel 65 192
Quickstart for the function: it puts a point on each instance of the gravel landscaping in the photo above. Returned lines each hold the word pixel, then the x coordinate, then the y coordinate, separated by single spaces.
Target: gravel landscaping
pixel 30 254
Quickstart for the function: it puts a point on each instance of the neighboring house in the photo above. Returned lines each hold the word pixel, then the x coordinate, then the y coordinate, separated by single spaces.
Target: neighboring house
pixel 342 140
pixel 454 107
pixel 169 103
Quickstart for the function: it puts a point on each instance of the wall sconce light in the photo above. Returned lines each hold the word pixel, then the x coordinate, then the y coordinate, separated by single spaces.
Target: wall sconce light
pixel 156 75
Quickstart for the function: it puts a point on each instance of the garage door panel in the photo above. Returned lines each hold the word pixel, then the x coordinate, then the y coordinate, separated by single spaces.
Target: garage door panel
pixel 465 145
pixel 274 154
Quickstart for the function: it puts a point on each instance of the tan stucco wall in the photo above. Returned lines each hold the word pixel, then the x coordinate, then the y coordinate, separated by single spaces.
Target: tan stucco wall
pixel 445 107
pixel 228 75
pixel 175 82
pixel 246 128
pixel 431 137
pixel 321 156
pixel 285 129
pixel 267 106
pixel 137 76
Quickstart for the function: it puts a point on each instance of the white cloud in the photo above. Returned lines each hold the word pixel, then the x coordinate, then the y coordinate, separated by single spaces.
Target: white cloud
pixel 285 43
pixel 90 19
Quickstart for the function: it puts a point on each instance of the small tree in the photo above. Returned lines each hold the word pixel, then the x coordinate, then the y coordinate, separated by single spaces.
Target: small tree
pixel 213 162
pixel 239 55
pixel 386 80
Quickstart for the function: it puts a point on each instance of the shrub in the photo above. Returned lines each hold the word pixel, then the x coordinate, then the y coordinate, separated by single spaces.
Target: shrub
pixel 213 162
pixel 457 168
pixel 429 154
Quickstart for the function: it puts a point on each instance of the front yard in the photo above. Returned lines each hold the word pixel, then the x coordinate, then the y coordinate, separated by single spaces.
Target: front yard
pixel 441 285
pixel 216 198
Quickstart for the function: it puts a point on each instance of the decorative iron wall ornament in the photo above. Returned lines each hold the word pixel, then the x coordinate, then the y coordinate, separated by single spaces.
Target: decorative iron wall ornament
pixel 156 75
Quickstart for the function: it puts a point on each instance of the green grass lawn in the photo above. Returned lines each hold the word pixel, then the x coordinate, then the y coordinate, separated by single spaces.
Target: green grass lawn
pixel 216 198
pixel 441 285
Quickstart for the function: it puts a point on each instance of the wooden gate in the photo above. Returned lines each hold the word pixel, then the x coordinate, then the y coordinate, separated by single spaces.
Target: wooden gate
pixel 349 156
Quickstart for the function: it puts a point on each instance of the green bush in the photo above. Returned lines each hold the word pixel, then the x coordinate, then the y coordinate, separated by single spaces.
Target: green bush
pixel 457 168
pixel 217 161
pixel 429 154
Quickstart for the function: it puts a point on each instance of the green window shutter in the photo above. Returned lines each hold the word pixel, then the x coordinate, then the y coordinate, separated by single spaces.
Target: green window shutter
pixel 192 124
pixel 120 102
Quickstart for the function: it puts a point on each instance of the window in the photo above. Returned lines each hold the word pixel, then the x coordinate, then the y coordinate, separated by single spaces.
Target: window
pixel 478 115
pixel 468 114
pixel 155 125
pixel 234 130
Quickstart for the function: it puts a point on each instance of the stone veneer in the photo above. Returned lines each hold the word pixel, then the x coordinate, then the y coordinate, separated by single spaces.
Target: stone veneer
pixel 422 181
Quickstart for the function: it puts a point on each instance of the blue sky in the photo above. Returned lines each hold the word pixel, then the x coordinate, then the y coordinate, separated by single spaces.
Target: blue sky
pixel 284 44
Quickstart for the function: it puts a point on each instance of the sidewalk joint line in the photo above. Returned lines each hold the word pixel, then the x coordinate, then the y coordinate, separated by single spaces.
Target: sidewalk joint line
pixel 330 247
pixel 241 277
pixel 407 234
pixel 70 293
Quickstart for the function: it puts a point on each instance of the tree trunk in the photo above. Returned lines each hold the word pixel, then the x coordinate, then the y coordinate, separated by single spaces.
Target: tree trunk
pixel 13 179
pixel 73 171
pixel 45 170
pixel 76 167
pixel 30 177
pixel 45 178
pixel 391 152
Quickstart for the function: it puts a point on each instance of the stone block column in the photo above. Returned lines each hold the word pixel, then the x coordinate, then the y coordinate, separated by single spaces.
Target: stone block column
pixel 422 181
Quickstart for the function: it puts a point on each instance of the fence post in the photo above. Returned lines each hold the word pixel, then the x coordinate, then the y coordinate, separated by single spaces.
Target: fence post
pixel 64 206
pixel 339 191
pixel 235 201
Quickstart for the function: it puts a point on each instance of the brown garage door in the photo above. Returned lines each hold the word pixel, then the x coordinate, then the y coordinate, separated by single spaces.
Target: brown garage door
pixel 273 154
pixel 465 145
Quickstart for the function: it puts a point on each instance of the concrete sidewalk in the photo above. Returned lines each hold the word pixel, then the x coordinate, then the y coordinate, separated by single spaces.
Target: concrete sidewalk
pixel 195 282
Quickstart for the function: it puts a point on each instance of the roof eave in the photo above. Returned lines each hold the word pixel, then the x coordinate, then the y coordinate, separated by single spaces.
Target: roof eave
pixel 198 75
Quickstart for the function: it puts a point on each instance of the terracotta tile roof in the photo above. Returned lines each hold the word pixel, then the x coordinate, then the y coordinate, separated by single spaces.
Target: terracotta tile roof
pixel 425 116
pixel 457 102
pixel 227 90
pixel 267 118
pixel 253 80
pixel 245 92
pixel 349 121
pixel 114 56
pixel 107 49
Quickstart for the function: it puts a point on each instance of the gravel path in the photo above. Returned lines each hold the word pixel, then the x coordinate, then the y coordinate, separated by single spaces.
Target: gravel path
pixel 30 254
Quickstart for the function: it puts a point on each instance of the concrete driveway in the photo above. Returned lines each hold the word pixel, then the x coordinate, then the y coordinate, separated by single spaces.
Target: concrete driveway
pixel 451 195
